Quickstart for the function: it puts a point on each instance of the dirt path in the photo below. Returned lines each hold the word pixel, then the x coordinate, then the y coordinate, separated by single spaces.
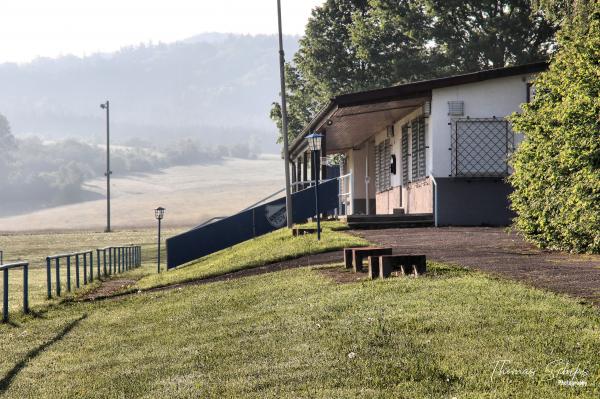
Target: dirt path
pixel 110 288
pixel 495 251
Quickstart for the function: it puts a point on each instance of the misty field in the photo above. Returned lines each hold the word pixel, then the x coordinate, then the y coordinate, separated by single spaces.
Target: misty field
pixel 191 194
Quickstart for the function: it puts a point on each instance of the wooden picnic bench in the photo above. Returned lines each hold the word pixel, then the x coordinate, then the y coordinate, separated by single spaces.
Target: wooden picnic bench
pixel 353 257
pixel 408 265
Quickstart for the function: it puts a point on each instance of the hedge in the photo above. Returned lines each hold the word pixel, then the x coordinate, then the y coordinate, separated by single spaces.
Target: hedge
pixel 557 167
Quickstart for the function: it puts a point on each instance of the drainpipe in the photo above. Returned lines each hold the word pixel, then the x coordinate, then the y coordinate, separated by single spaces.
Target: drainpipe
pixel 435 201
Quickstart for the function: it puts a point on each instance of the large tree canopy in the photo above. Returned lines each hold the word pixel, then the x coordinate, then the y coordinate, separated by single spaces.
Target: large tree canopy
pixel 557 168
pixel 352 45
pixel 475 35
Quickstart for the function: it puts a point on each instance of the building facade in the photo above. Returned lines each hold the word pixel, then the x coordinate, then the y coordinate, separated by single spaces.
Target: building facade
pixel 437 147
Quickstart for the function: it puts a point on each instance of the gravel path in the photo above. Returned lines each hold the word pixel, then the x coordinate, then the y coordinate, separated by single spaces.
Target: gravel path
pixel 496 251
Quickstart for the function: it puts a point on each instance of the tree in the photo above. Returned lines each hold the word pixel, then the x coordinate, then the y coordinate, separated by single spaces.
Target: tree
pixel 557 167
pixel 353 45
pixel 7 140
pixel 326 63
pixel 482 34
pixel 391 38
pixel 339 54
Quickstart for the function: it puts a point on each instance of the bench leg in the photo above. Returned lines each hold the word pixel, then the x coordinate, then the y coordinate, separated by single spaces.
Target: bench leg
pixel 348 258
pixel 374 265
pixel 357 263
pixel 407 269
pixel 421 266
pixel 385 268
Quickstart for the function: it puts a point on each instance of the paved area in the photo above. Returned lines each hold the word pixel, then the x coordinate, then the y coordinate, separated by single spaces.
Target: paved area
pixel 496 251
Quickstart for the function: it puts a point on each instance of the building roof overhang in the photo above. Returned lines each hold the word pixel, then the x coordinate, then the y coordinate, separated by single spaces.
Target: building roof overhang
pixel 350 119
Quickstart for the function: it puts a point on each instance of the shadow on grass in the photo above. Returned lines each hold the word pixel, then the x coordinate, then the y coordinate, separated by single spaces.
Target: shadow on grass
pixel 32 354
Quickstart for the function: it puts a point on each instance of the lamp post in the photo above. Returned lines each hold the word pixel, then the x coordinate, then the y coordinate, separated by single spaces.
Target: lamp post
pixel 314 142
pixel 159 213
pixel 106 106
pixel 284 123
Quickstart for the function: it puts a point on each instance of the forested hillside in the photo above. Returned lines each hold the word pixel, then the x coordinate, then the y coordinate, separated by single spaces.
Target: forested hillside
pixel 214 87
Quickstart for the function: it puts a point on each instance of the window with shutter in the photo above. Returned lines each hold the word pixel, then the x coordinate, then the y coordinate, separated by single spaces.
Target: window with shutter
pixel 418 148
pixel 422 149
pixel 404 160
pixel 382 166
pixel 415 149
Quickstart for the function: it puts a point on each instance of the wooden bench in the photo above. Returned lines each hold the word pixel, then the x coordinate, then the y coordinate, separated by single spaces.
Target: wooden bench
pixel 300 231
pixel 353 257
pixel 408 265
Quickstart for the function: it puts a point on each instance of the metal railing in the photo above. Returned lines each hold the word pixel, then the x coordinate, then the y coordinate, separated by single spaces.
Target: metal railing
pixel 1 257
pixel 5 269
pixel 78 256
pixel 119 259
pixel 346 197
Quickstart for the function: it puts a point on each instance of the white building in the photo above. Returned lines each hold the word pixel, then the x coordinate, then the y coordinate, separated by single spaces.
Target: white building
pixel 436 147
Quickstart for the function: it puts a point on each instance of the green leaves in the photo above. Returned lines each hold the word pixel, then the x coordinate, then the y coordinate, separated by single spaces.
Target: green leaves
pixel 557 169
pixel 354 45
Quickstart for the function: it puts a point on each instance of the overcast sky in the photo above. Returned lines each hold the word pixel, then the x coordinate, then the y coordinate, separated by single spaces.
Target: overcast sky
pixel 49 28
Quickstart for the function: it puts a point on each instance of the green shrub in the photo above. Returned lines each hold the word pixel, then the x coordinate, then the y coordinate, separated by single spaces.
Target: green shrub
pixel 557 168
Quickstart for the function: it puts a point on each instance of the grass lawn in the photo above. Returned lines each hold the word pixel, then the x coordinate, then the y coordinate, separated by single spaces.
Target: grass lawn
pixel 273 247
pixel 298 333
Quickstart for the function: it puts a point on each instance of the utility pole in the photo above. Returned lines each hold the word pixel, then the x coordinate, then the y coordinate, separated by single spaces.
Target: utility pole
pixel 106 106
pixel 284 123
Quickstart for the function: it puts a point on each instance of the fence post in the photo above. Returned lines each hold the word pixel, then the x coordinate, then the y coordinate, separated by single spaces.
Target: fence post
pixel 119 259
pixel 5 294
pixel 104 261
pixel 49 278
pixel 26 288
pixel 91 266
pixel 77 271
pixel 57 277
pixel 69 273
pixel 85 270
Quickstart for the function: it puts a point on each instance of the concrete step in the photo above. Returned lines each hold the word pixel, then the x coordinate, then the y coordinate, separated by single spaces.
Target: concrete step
pixel 389 221
pixel 389 218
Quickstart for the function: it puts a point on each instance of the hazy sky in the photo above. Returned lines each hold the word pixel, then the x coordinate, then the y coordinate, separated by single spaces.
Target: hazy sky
pixel 32 28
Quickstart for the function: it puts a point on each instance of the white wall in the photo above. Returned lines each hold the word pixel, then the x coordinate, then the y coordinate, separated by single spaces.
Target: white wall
pixel 496 97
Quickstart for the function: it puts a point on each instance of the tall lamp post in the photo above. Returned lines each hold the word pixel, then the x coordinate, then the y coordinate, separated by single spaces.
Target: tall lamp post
pixel 106 106
pixel 284 123
pixel 314 142
pixel 159 213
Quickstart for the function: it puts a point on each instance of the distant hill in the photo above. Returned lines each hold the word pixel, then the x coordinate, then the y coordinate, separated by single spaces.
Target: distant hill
pixel 214 87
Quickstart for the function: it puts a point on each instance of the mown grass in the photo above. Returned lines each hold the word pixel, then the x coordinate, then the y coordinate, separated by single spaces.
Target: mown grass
pixel 35 247
pixel 273 247
pixel 297 333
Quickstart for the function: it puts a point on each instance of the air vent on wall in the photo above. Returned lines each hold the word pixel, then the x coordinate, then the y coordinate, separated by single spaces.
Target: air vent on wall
pixel 426 109
pixel 456 108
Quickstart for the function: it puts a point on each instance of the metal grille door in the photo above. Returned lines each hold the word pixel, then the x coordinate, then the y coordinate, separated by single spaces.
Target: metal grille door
pixel 480 147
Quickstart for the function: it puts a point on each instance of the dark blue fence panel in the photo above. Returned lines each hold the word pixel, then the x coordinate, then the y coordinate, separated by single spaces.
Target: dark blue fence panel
pixel 248 224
